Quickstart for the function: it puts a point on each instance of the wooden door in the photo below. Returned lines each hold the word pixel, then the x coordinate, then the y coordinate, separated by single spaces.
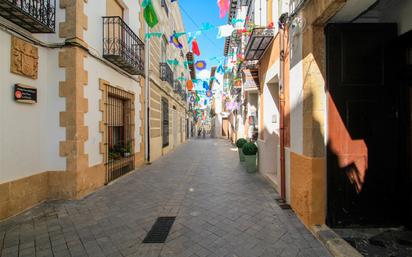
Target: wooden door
pixel 225 127
pixel 363 127
pixel 113 8
pixel 405 49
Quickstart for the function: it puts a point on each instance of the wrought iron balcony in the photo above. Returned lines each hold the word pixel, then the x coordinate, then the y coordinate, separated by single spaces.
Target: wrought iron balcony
pixel 179 89
pixel 36 16
pixel 166 73
pixel 259 41
pixel 122 46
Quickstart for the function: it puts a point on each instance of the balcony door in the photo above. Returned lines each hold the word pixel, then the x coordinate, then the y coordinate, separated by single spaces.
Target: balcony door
pixel 114 9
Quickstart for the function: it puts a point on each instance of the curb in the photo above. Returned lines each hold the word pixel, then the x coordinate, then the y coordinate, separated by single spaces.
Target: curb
pixel 334 243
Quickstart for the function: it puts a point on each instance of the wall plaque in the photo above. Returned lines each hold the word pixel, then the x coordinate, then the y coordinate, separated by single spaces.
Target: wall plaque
pixel 25 94
pixel 24 58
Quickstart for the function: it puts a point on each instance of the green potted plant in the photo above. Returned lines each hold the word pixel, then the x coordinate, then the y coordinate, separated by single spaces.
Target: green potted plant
pixel 250 150
pixel 239 143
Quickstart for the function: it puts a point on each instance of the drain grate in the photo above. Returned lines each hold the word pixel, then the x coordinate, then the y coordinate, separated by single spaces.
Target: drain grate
pixel 159 231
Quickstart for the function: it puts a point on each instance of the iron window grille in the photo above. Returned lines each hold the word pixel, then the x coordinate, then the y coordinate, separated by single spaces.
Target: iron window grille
pixel 258 42
pixel 36 16
pixel 119 137
pixel 122 46
pixel 165 122
pixel 166 73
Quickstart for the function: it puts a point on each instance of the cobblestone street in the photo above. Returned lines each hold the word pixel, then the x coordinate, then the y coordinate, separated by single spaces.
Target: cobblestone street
pixel 221 211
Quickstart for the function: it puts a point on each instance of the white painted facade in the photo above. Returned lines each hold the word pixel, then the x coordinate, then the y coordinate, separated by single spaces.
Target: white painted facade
pixel 30 133
pixel 269 164
pixel 296 91
pixel 98 68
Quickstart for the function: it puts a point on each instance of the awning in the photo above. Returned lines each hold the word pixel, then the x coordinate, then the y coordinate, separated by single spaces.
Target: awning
pixel 258 42
pixel 250 79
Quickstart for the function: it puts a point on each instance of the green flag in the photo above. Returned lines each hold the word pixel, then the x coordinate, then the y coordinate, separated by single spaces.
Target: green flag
pixel 149 13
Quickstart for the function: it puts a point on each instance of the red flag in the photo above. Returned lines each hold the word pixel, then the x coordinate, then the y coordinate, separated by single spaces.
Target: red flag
pixel 195 47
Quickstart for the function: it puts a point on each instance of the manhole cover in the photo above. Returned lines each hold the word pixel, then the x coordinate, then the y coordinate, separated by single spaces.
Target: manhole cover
pixel 159 231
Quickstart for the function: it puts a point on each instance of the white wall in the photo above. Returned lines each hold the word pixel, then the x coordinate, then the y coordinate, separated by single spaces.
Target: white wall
pixel 54 37
pixel 96 9
pixel 296 93
pixel 269 146
pixel 30 133
pixel 96 71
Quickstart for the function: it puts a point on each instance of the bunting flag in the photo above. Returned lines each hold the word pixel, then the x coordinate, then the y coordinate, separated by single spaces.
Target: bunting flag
pixel 149 13
pixel 234 21
pixel 206 26
pixel 225 31
pixel 223 7
pixel 205 85
pixel 195 47
pixel 200 65
pixel 179 34
pixel 175 41
pixel 220 69
pixel 189 85
pixel 154 34
pixel 173 62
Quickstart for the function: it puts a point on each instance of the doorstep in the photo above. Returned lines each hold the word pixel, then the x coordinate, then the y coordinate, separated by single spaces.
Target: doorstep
pixel 336 245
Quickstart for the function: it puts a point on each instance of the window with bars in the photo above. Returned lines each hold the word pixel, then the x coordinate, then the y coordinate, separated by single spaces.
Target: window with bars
pixel 165 122
pixel 119 136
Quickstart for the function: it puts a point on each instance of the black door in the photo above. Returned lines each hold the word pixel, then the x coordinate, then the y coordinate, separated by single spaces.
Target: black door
pixel 363 126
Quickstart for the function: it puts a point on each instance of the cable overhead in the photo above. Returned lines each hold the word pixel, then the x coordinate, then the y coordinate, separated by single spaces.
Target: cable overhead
pixel 197 25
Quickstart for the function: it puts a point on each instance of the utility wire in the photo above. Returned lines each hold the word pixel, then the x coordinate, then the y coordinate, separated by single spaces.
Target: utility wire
pixel 197 25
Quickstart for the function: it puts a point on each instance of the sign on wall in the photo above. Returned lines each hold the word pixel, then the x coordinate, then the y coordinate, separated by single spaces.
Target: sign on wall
pixel 25 94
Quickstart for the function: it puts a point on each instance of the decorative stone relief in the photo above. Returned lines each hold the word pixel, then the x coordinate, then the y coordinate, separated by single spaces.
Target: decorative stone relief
pixel 24 58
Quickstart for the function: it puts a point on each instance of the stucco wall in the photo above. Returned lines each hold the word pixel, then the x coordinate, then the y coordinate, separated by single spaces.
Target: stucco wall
pixel 96 9
pixel 30 133
pixel 97 70
pixel 296 92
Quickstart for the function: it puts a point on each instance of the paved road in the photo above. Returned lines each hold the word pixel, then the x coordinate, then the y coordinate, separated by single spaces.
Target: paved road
pixel 221 210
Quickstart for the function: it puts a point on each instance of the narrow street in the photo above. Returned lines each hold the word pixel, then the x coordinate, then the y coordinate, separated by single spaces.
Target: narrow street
pixel 220 211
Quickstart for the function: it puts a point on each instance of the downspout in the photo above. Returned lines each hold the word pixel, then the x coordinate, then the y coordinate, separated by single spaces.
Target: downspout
pixel 147 96
pixel 282 23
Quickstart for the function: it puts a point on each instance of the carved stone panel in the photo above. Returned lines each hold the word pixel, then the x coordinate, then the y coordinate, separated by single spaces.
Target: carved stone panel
pixel 24 58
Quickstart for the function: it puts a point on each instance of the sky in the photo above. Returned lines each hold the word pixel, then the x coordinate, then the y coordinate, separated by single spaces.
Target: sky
pixel 196 12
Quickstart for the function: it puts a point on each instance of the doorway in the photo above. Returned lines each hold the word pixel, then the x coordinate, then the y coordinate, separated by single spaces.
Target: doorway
pixel 363 159
pixel 175 126
pixel 225 127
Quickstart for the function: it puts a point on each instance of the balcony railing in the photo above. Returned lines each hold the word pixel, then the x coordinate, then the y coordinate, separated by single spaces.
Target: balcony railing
pixel 166 73
pixel 122 46
pixel 36 16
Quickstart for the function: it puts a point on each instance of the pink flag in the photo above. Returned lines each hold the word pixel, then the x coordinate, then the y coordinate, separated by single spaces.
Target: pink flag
pixel 223 7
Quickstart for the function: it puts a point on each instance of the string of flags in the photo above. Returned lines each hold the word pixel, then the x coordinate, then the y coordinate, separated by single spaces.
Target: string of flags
pixel 200 93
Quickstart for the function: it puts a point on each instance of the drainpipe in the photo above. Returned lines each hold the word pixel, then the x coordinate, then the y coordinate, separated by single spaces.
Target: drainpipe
pixel 282 23
pixel 147 96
